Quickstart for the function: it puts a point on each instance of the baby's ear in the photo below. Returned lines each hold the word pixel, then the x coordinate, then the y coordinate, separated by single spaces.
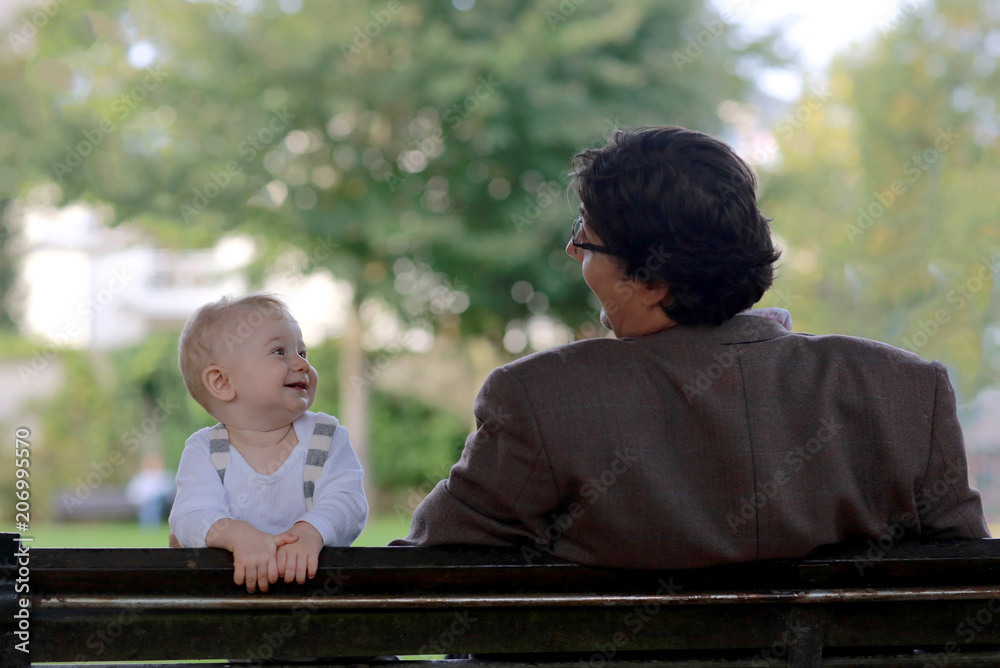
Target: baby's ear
pixel 216 381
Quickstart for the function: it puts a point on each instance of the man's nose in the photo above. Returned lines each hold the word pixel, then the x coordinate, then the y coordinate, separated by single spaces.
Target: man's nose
pixel 572 250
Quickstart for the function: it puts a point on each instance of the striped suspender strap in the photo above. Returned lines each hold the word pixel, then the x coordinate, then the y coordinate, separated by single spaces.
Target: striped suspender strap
pixel 218 446
pixel 319 449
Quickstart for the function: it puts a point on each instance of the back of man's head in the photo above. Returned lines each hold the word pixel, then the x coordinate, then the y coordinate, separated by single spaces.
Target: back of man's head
pixel 679 207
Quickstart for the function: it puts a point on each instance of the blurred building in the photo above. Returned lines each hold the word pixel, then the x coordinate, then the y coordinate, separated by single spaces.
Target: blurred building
pixel 85 285
pixel 88 286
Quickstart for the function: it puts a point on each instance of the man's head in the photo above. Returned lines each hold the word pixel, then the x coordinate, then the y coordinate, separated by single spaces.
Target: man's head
pixel 677 209
pixel 247 349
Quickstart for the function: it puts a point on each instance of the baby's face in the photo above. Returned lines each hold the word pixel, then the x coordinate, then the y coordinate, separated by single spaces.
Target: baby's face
pixel 266 362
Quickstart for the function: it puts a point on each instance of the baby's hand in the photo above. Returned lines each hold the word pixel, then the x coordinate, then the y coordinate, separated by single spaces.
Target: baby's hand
pixel 254 558
pixel 298 558
pixel 253 551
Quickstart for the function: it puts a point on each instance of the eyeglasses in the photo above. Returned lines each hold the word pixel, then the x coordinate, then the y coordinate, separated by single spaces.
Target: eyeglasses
pixel 577 229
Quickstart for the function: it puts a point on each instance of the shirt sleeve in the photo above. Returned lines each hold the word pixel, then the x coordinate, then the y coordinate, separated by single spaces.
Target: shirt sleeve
pixel 947 505
pixel 201 499
pixel 501 492
pixel 339 509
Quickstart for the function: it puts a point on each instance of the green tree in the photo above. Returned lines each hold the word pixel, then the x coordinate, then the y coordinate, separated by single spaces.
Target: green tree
pixel 135 403
pixel 882 196
pixel 8 268
pixel 415 150
pixel 113 408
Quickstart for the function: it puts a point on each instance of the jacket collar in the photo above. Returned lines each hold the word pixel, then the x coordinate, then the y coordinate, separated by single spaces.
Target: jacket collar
pixel 738 329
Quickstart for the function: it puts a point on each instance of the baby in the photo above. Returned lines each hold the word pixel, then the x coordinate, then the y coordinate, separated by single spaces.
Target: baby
pixel 273 482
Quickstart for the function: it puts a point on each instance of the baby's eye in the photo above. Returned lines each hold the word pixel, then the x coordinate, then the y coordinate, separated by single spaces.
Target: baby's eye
pixel 279 351
pixel 304 354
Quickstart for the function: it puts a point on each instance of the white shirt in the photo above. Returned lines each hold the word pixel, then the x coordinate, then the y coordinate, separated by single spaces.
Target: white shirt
pixel 271 503
pixel 148 485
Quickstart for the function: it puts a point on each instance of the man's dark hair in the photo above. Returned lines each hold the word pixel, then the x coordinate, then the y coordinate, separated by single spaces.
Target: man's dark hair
pixel 679 207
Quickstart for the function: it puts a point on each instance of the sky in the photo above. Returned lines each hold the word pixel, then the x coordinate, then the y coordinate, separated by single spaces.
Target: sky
pixel 816 29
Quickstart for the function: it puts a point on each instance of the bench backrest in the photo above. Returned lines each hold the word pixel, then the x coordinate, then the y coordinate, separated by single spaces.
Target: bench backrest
pixel 161 604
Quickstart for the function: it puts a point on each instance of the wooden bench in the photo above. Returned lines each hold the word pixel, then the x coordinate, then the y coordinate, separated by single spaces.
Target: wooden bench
pixel 100 505
pixel 914 605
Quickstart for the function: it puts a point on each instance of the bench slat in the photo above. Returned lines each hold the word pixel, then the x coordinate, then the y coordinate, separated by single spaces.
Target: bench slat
pixel 181 605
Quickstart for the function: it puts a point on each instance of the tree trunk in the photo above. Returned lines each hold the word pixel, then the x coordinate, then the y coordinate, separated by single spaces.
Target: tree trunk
pixel 355 394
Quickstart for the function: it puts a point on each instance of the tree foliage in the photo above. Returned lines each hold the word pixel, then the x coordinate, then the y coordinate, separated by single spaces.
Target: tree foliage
pixel 883 194
pixel 415 150
pixel 135 402
pixel 411 137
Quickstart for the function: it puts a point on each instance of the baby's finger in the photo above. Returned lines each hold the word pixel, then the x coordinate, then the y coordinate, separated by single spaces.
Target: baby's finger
pixel 284 539
pixel 290 568
pixel 251 579
pixel 300 569
pixel 313 565
pixel 282 560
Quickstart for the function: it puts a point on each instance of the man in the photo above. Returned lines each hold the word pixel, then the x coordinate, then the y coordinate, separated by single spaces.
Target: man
pixel 701 434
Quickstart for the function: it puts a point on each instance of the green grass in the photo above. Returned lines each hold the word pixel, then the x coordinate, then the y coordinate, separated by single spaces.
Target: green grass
pixel 383 528
pixel 379 531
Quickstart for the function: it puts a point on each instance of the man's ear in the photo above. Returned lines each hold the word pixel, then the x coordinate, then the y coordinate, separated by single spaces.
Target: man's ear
pixel 217 382
pixel 653 294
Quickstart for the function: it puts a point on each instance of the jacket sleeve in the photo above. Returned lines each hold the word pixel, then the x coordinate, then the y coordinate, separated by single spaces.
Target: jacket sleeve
pixel 947 506
pixel 501 492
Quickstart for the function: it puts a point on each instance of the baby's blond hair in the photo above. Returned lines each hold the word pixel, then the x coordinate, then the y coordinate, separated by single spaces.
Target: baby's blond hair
pixel 200 342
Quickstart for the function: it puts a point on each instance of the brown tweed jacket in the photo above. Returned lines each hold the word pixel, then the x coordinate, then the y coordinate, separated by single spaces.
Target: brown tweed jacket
pixel 705 445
